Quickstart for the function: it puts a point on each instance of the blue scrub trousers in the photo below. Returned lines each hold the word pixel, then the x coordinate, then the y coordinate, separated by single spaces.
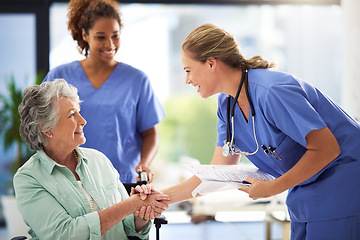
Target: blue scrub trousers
pixel 338 229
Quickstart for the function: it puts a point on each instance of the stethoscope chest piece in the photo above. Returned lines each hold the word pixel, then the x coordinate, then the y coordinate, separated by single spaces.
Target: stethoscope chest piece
pixel 228 149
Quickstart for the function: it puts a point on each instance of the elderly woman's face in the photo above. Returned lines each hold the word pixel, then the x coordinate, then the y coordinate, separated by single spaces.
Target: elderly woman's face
pixel 69 129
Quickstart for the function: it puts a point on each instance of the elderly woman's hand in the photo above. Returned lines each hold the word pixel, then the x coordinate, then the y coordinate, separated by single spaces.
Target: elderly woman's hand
pixel 158 201
pixel 154 205
pixel 145 213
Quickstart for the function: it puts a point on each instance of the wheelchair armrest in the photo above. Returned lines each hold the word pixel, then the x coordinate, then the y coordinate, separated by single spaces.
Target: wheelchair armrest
pixel 160 220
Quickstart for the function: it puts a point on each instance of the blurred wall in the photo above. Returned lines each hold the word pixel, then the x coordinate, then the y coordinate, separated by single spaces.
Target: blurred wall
pixel 351 73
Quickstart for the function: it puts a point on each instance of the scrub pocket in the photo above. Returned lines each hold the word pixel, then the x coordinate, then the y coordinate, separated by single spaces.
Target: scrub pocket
pixel 290 153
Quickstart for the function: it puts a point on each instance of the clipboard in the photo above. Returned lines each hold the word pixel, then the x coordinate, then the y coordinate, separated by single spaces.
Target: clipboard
pixel 217 178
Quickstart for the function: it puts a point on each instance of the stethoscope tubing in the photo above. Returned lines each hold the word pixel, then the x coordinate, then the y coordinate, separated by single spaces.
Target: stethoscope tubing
pixel 231 114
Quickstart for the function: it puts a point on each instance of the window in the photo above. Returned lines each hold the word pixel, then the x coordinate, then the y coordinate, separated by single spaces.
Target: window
pixel 17 62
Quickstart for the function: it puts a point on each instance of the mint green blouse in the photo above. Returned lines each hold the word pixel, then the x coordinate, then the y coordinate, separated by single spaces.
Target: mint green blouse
pixel 53 205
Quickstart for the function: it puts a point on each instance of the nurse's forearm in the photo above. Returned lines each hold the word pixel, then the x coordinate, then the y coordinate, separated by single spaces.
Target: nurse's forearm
pixel 182 191
pixel 322 150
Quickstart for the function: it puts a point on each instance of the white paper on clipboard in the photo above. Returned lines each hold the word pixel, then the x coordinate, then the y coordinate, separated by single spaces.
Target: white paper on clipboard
pixel 217 178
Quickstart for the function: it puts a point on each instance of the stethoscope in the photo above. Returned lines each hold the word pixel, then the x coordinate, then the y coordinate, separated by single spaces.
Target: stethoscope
pixel 230 147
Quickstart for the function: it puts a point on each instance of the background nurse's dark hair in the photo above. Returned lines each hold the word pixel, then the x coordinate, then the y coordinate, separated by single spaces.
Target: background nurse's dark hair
pixel 83 15
pixel 210 41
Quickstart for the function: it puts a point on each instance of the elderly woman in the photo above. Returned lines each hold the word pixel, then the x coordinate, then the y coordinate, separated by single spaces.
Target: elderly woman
pixel 68 192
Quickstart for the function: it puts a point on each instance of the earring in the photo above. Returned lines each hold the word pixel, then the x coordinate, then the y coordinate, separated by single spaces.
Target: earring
pixel 51 135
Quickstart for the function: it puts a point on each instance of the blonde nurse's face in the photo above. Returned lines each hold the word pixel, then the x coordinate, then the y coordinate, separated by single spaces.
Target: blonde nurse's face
pixel 199 74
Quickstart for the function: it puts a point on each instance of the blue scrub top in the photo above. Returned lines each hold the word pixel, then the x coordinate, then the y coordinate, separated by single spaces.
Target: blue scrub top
pixel 286 110
pixel 116 113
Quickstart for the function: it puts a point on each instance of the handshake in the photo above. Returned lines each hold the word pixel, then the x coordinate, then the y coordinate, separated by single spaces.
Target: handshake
pixel 153 203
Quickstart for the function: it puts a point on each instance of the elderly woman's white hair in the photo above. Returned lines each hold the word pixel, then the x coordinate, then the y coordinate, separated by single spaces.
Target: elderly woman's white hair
pixel 39 110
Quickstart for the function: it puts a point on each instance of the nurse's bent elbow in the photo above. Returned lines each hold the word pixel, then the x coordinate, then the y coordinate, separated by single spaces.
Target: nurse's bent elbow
pixel 337 150
pixel 333 148
pixel 325 141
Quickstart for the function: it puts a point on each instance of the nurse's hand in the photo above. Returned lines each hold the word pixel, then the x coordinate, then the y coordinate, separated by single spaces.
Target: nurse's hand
pixel 258 188
pixel 143 190
pixel 142 168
